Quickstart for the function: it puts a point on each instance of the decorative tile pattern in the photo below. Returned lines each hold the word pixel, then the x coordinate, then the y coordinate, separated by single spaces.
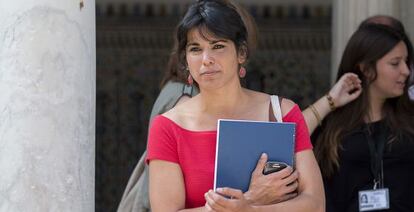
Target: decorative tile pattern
pixel 278 11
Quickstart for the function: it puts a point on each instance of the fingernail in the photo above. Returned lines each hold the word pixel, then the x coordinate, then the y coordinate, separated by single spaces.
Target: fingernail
pixel 263 155
pixel 219 189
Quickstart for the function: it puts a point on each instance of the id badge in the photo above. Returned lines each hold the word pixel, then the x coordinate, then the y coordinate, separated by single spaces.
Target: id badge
pixel 377 199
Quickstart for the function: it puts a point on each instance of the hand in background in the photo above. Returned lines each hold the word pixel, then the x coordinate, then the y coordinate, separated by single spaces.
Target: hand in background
pixel 272 188
pixel 341 91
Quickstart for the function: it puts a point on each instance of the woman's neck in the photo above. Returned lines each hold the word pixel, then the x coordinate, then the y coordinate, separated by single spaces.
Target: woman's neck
pixel 224 102
pixel 376 104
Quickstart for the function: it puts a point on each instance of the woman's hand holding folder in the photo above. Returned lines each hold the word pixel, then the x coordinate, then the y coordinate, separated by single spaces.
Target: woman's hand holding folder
pixel 263 190
pixel 272 188
pixel 218 201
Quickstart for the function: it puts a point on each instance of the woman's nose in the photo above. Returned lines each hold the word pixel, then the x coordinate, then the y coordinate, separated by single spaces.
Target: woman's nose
pixel 406 69
pixel 208 58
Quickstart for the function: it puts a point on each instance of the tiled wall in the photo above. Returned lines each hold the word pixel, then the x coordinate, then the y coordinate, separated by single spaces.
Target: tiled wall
pixel 281 10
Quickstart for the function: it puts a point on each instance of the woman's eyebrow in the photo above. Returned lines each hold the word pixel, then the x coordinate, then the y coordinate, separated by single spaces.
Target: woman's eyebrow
pixel 211 42
pixel 398 58
pixel 193 44
pixel 216 41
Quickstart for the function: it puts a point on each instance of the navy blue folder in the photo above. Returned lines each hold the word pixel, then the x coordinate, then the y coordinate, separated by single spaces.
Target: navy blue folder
pixel 240 144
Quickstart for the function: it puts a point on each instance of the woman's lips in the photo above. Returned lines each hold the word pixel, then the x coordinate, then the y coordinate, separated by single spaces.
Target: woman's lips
pixel 401 85
pixel 208 73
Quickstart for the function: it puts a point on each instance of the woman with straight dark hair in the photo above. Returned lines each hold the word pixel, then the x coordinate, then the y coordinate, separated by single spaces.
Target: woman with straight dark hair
pixel 365 149
pixel 397 25
pixel 212 46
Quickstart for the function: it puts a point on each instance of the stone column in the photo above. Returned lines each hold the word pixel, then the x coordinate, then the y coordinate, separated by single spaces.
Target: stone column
pixel 47 105
pixel 348 14
pixel 407 17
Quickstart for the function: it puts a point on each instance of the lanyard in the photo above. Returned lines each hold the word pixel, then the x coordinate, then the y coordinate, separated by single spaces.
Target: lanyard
pixel 376 150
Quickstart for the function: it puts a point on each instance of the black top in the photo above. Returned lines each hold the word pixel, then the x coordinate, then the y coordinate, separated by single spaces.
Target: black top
pixel 354 174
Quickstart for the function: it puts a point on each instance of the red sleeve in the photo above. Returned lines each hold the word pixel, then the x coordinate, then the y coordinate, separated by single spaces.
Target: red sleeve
pixel 162 144
pixel 302 133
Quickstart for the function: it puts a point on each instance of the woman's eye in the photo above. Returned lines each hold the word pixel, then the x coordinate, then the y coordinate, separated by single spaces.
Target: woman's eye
pixel 194 49
pixel 395 63
pixel 218 46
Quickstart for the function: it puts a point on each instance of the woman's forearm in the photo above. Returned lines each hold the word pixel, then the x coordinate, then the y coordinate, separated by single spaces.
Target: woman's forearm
pixel 347 89
pixel 313 118
pixel 303 203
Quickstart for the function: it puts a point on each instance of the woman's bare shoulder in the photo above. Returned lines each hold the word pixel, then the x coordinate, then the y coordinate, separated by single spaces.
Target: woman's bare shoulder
pixel 258 96
pixel 286 105
pixel 180 111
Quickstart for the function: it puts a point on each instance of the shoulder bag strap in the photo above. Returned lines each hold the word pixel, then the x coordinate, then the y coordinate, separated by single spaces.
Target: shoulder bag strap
pixel 274 99
pixel 187 90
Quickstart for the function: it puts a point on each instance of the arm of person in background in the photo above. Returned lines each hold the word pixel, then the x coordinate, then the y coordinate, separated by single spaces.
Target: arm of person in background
pixel 347 89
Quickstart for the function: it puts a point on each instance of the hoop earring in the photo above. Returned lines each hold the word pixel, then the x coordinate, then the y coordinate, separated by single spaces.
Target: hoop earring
pixel 242 72
pixel 190 79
